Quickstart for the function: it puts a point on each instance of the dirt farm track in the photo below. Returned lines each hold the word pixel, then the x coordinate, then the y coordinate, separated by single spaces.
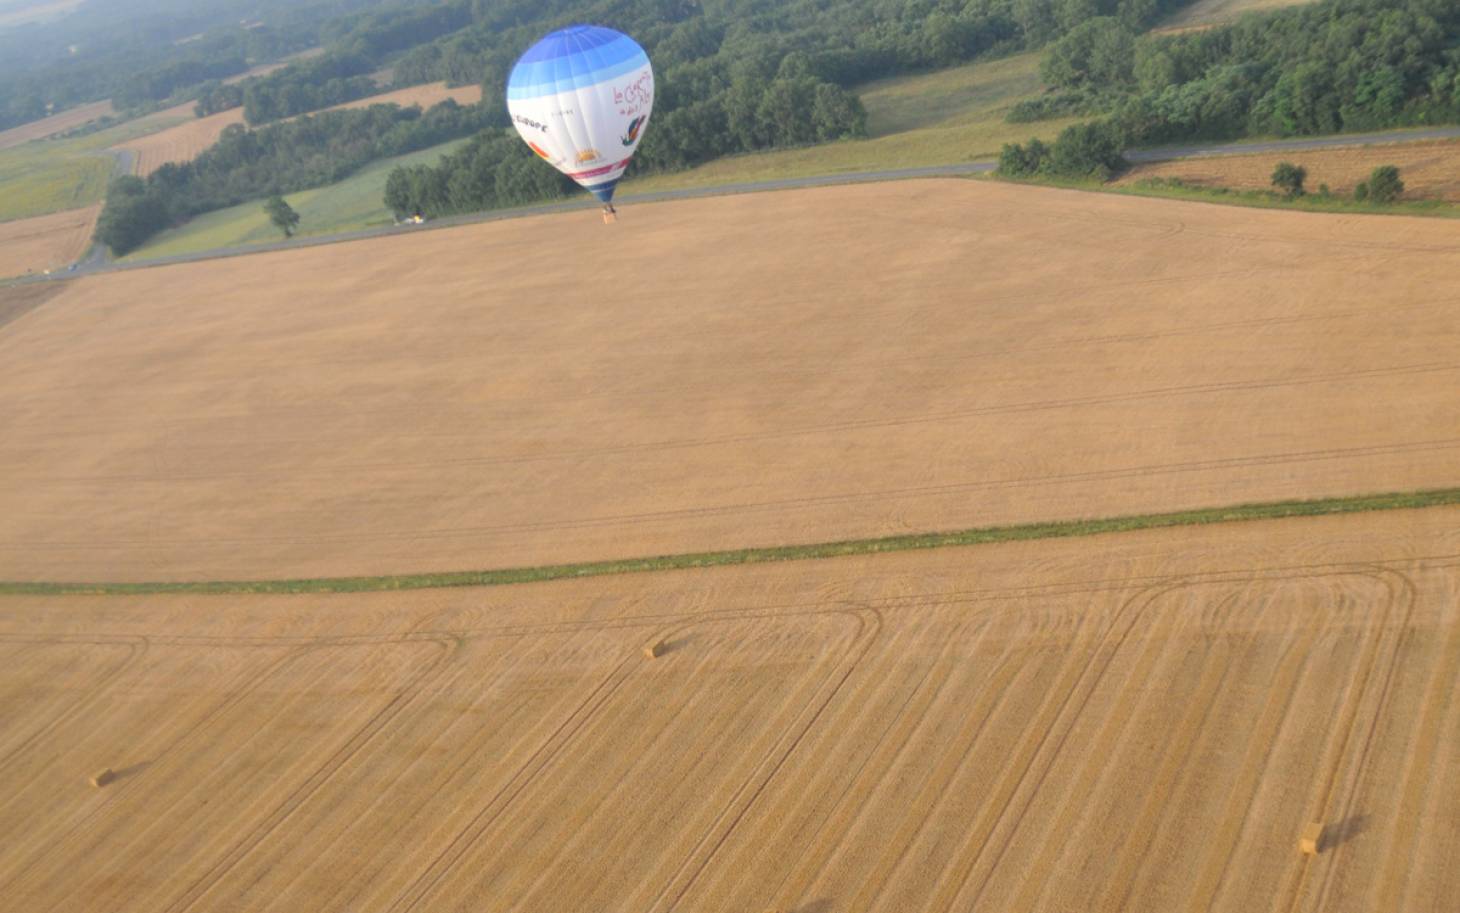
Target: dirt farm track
pixel 1144 721
pixel 757 370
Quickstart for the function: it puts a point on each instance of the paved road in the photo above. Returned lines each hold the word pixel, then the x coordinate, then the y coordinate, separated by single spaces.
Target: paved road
pixel 96 258
pixel 94 263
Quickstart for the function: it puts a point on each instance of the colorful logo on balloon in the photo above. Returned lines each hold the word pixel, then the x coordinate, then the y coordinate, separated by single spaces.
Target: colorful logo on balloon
pixel 635 126
pixel 539 150
pixel 588 155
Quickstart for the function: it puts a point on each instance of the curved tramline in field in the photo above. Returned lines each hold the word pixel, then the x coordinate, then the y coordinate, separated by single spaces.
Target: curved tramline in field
pixel 1145 722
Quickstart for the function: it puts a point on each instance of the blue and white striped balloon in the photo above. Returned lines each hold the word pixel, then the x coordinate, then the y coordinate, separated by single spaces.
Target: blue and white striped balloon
pixel 581 98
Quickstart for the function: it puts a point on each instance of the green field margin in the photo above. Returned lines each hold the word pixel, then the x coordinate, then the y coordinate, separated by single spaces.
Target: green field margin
pixel 1164 189
pixel 1060 529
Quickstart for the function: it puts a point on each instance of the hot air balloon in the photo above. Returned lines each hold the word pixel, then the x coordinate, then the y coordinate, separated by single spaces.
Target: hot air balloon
pixel 581 98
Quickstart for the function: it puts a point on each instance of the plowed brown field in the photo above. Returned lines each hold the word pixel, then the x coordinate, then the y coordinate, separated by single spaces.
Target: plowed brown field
pixel 45 242
pixel 754 370
pixel 183 143
pixel 1142 722
pixel 1430 170
pixel 69 119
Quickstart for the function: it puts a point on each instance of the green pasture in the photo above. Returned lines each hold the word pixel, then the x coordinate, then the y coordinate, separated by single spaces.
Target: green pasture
pixel 38 178
pixel 939 118
pixel 54 175
pixel 354 203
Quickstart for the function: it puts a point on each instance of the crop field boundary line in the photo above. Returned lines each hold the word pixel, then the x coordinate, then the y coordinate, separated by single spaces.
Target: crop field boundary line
pixel 92 265
pixel 1056 529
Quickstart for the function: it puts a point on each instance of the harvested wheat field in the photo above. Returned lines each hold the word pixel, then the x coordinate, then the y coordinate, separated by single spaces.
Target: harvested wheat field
pixel 69 119
pixel 181 143
pixel 18 300
pixel 755 370
pixel 1430 170
pixel 33 11
pixel 46 242
pixel 1205 14
pixel 184 142
pixel 426 96
pixel 264 69
pixel 1142 722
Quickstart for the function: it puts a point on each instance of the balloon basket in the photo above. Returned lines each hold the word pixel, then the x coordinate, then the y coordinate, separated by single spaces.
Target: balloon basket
pixel 609 218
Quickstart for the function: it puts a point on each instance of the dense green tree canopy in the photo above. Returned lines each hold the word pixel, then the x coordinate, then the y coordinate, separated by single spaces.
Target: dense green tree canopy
pixel 1333 66
pixel 282 158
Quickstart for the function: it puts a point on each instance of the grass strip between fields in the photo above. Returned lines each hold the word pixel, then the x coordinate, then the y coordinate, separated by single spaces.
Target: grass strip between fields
pixel 1059 529
pixel 1256 199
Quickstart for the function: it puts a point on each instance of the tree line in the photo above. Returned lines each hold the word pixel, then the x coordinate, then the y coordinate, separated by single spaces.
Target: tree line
pixel 163 82
pixel 1335 66
pixel 146 52
pixel 308 85
pixel 355 47
pixel 246 164
pixel 732 76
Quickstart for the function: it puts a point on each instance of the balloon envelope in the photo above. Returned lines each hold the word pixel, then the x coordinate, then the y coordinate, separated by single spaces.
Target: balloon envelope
pixel 581 98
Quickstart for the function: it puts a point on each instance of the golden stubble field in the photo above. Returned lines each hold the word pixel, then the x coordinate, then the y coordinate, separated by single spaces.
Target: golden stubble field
pixel 183 142
pixel 1430 170
pixel 46 242
pixel 1142 722
pixel 69 119
pixel 18 14
pixel 1205 14
pixel 753 370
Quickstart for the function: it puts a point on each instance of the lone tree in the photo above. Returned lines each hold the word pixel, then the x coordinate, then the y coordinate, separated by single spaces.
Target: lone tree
pixel 1383 185
pixel 1289 178
pixel 282 214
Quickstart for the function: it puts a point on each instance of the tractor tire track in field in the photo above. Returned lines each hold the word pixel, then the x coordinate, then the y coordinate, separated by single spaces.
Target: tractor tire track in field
pixel 1224 464
pixel 248 680
pixel 1096 769
pixel 845 810
pixel 754 726
pixel 810 877
pixel 869 628
pixel 1041 748
pixel 96 425
pixel 371 728
pixel 1336 801
pixel 1275 716
pixel 444 862
pixel 1392 886
pixel 935 418
pixel 136 647
pixel 936 755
